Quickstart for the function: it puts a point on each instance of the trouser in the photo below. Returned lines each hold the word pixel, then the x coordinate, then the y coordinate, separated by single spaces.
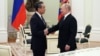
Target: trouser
pixel 39 52
pixel 63 50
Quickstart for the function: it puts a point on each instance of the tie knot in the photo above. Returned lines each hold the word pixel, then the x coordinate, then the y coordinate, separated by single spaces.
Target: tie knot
pixel 41 16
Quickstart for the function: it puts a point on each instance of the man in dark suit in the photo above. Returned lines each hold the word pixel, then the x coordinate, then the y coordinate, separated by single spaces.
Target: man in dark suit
pixel 38 25
pixel 67 30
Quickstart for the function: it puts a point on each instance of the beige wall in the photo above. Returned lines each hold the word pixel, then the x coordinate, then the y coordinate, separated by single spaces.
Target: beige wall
pixel 51 14
pixel 10 5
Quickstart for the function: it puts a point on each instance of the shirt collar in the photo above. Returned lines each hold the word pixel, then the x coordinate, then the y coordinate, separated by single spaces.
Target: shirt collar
pixel 66 14
pixel 38 14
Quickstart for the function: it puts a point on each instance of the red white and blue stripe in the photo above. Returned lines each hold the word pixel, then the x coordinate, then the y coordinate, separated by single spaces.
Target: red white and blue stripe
pixel 18 14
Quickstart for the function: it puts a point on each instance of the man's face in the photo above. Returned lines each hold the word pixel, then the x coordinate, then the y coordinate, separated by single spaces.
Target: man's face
pixel 42 9
pixel 64 10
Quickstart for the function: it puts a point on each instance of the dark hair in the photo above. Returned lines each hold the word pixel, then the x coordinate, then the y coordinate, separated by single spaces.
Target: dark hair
pixel 38 5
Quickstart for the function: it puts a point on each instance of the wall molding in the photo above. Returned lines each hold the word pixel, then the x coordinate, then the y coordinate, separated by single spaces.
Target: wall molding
pixel 3 36
pixel 3 21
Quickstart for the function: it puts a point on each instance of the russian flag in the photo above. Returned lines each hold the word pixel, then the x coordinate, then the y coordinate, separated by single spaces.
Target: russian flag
pixel 18 14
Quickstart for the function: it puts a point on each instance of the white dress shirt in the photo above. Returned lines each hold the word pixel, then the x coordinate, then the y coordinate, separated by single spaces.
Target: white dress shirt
pixel 40 17
pixel 66 15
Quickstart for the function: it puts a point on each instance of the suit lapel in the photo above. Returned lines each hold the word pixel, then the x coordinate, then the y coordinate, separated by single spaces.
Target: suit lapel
pixel 63 21
pixel 41 19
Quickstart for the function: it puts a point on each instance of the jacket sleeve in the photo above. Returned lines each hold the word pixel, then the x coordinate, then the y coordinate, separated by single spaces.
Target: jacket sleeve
pixel 54 28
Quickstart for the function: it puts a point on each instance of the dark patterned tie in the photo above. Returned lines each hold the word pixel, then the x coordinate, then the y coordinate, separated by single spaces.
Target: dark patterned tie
pixel 43 20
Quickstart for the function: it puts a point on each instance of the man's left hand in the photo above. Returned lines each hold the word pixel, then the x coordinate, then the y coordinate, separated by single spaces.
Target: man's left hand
pixel 67 47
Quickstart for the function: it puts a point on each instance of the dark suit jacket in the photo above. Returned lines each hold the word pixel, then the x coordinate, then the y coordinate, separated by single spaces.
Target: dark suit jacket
pixel 38 40
pixel 67 32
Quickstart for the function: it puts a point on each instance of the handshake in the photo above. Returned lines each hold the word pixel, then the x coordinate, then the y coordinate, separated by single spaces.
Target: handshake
pixel 46 32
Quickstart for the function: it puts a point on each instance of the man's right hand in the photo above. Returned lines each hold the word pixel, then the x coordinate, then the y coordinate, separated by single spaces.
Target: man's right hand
pixel 46 31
